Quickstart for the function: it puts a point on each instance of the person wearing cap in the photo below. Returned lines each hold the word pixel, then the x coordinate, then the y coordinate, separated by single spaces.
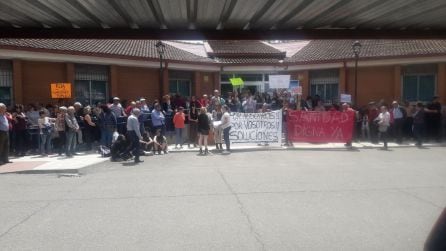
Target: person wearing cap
pixel 134 133
pixel 398 115
pixel 116 108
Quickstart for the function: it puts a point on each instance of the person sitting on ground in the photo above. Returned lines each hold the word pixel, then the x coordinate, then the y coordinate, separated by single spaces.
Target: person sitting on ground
pixel 120 149
pixel 147 145
pixel 160 143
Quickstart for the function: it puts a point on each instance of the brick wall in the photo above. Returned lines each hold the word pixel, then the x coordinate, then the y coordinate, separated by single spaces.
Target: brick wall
pixel 374 84
pixel 36 79
pixel 133 82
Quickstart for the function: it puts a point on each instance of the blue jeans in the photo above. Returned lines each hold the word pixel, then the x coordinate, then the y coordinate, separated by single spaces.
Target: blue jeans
pixel 70 145
pixel 226 138
pixel 45 143
pixel 179 136
pixel 106 137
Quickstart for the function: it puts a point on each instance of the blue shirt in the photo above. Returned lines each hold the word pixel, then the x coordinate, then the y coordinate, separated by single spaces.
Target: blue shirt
pixel 4 124
pixel 157 118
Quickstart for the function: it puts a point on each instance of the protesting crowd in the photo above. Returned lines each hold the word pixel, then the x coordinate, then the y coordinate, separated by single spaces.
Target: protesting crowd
pixel 127 129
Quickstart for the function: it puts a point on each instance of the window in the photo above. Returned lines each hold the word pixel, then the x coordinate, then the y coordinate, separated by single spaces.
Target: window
pixel 91 84
pixel 181 86
pixel 6 82
pixel 325 83
pixel 419 82
pixel 419 87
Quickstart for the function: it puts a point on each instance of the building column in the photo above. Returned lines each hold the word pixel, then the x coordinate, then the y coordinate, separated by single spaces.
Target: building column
pixel 304 79
pixel 165 79
pixel 441 82
pixel 198 84
pixel 343 79
pixel 114 80
pixel 17 85
pixel 397 95
pixel 216 81
pixel 69 78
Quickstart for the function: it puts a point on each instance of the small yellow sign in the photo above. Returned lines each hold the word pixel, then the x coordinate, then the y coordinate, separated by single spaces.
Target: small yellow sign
pixel 60 90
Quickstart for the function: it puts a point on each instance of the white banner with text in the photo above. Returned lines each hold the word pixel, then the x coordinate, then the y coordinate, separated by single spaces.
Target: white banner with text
pixel 256 127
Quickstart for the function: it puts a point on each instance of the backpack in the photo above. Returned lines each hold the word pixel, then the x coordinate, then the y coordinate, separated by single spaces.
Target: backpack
pixel 104 151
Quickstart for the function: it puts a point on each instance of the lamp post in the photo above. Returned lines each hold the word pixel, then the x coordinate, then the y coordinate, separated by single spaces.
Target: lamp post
pixel 160 47
pixel 356 50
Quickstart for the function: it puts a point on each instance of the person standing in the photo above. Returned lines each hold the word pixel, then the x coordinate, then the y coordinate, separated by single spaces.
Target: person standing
pixel 178 121
pixel 218 132
pixel 108 125
pixel 134 133
pixel 203 128
pixel 117 108
pixel 71 132
pixel 19 130
pixel 372 115
pixel 433 119
pixel 45 129
pixel 399 115
pixel 193 120
pixel 4 136
pixel 226 127
pixel 418 124
pixel 90 127
pixel 158 119
pixel 60 127
pixel 383 125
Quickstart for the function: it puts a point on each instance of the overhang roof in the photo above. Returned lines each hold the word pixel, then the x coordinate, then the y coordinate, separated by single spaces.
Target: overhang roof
pixel 223 19
pixel 214 53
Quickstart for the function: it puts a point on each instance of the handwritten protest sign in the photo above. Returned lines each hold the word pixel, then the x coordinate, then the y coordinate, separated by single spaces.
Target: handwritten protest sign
pixel 60 90
pixel 279 81
pixel 256 127
pixel 320 127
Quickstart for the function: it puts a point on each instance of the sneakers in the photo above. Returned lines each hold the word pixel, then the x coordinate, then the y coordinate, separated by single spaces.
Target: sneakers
pixel 226 152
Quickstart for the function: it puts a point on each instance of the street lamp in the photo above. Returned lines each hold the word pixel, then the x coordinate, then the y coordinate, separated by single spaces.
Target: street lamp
pixel 356 50
pixel 160 47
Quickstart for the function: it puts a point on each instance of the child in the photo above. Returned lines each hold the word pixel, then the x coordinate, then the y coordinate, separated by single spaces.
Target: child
pixel 160 143
pixel 178 121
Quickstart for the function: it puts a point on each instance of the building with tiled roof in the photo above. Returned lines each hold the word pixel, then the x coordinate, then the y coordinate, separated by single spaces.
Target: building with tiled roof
pixel 387 69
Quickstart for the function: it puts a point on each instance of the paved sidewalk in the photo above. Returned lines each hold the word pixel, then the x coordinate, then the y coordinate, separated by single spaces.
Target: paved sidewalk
pixel 51 164
pixel 61 164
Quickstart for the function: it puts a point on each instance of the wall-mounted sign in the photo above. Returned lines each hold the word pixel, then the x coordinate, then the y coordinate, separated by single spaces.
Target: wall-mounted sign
pixel 60 90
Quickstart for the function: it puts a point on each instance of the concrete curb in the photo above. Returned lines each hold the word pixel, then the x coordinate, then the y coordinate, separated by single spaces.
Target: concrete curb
pixel 84 170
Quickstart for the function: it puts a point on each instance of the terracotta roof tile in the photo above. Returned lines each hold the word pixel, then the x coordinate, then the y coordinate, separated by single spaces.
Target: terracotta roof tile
pixel 246 60
pixel 130 48
pixel 251 47
pixel 335 50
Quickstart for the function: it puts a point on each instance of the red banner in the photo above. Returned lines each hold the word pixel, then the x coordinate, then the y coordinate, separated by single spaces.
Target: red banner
pixel 320 127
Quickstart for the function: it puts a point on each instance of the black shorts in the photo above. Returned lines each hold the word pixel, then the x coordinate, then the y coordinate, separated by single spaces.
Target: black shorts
pixel 203 132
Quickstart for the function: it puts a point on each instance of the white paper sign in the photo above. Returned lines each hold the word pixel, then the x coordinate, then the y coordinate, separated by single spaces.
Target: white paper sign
pixel 279 81
pixel 256 127
pixel 216 124
pixel 346 98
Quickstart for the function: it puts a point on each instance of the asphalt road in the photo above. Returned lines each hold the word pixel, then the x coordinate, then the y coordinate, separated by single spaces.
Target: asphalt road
pixel 270 200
